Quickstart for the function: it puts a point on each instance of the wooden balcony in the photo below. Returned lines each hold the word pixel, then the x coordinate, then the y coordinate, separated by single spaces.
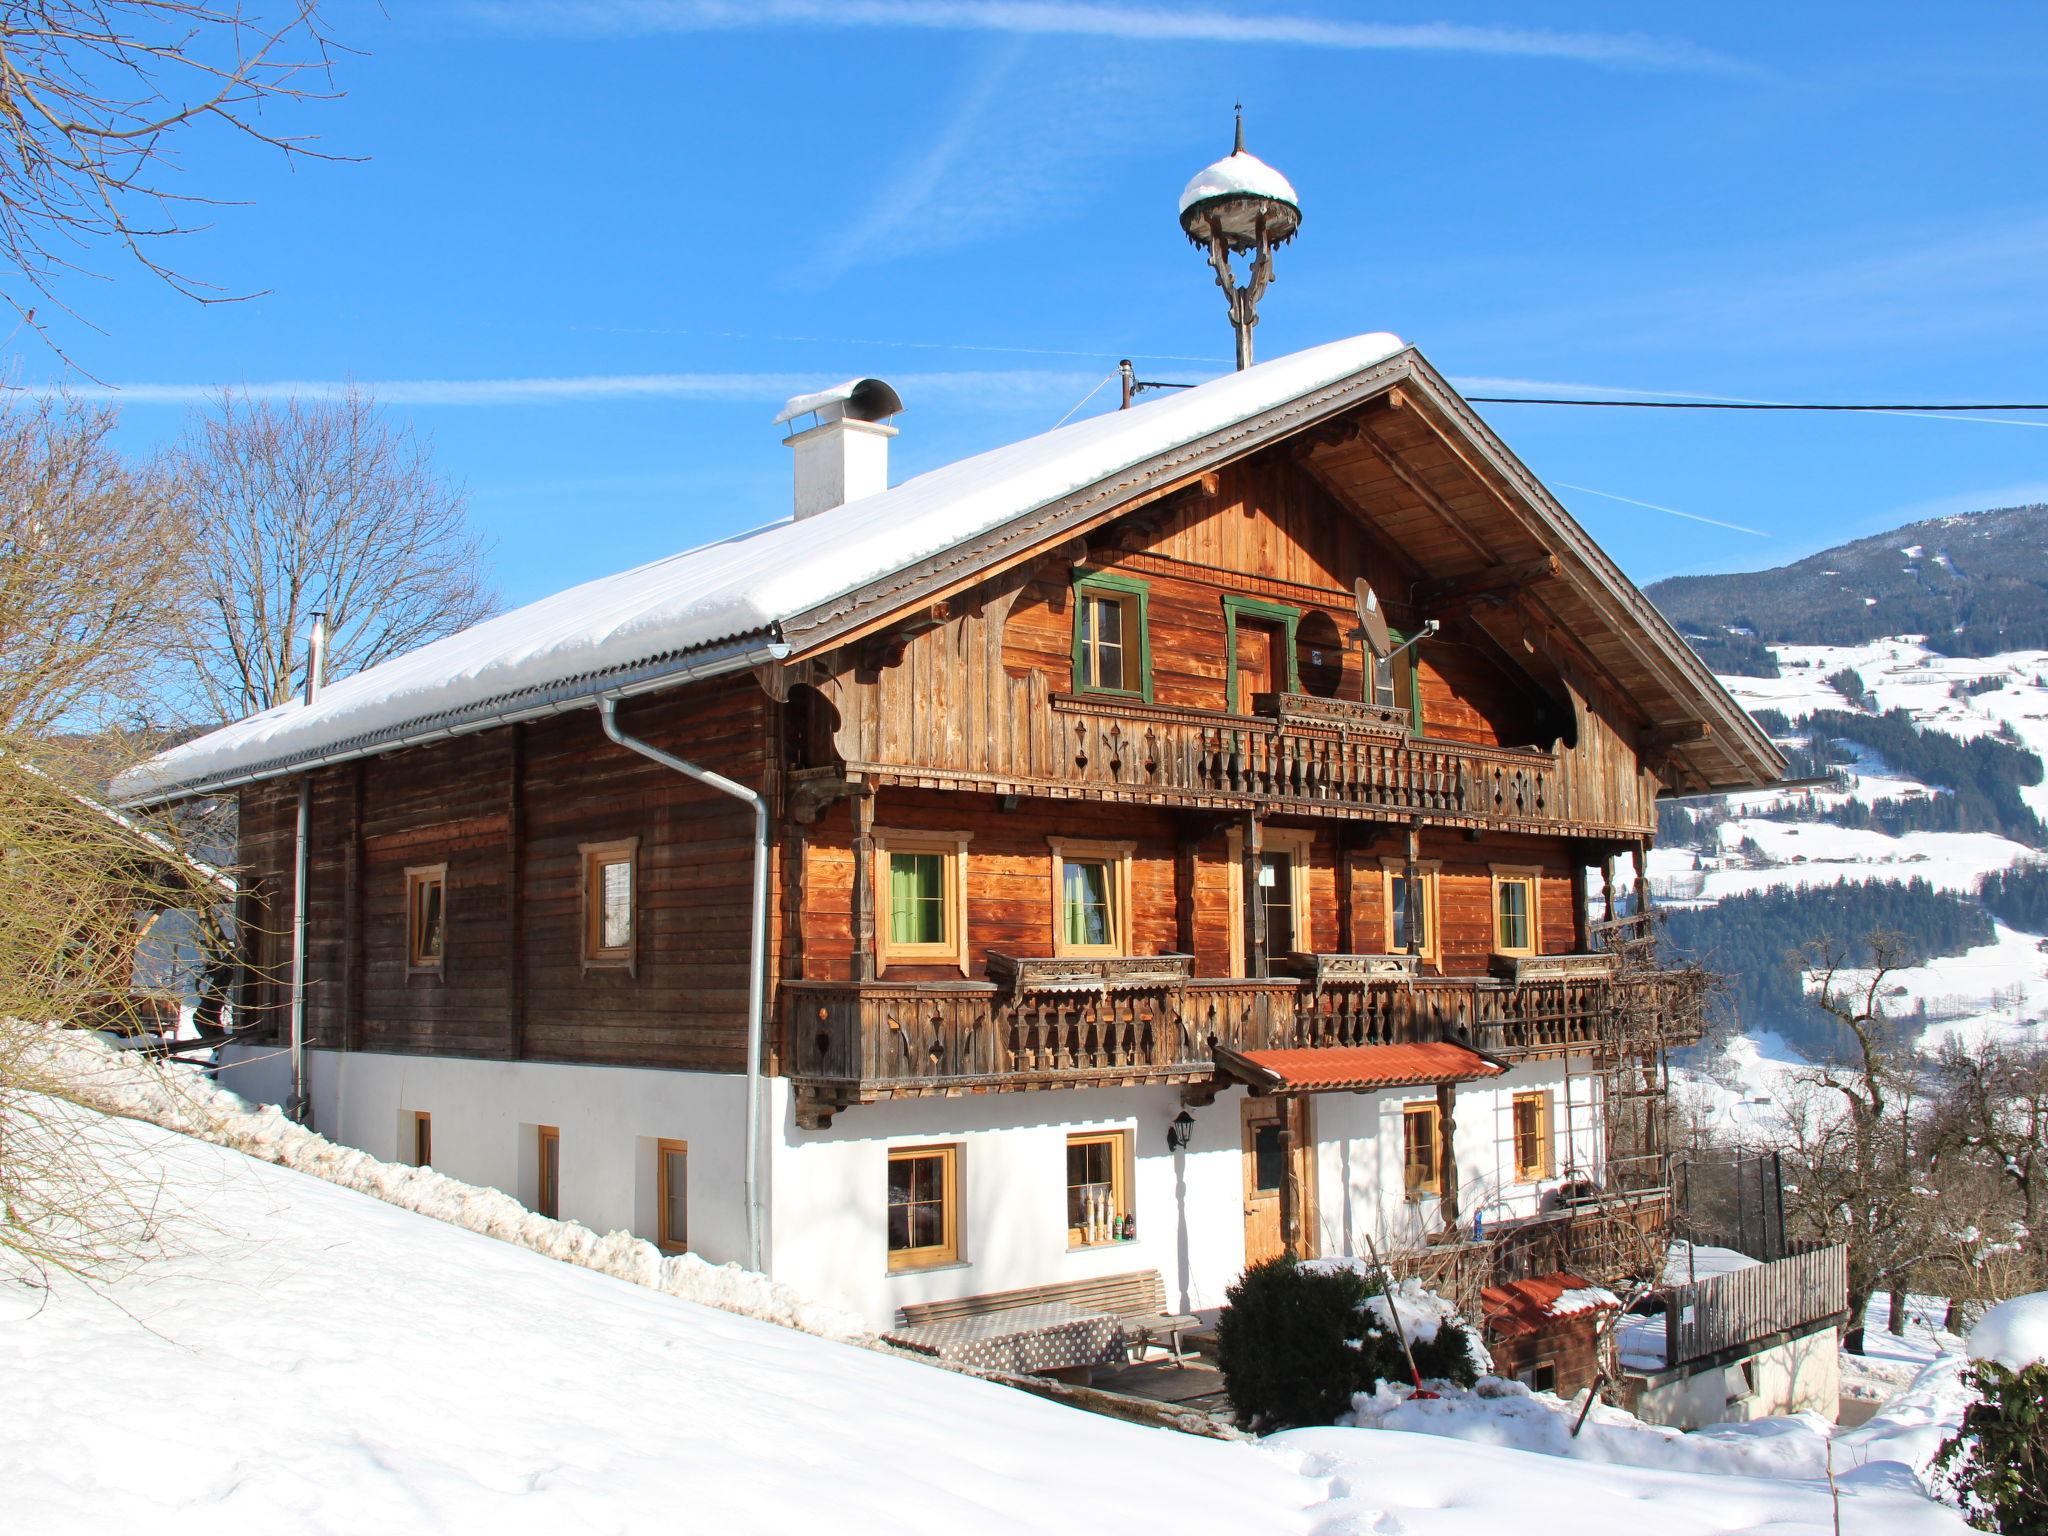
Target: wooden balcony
pixel 847 1043
pixel 1291 759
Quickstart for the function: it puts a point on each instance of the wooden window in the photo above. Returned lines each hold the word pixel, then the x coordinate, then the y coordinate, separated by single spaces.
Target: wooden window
pixel 422 1139
pixel 1421 1159
pixel 672 1196
pixel 1515 929
pixel 1404 906
pixel 1091 897
pixel 426 919
pixel 924 1207
pixel 923 877
pixel 550 1165
pixel 1259 651
pixel 1098 1187
pixel 1532 1136
pixel 1396 684
pixel 609 900
pixel 1284 863
pixel 1112 635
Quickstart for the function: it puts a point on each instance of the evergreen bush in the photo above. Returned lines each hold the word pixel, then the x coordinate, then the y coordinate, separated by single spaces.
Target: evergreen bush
pixel 1998 1464
pixel 1297 1340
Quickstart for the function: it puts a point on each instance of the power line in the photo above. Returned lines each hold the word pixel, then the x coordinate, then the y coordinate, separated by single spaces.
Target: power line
pixel 1732 405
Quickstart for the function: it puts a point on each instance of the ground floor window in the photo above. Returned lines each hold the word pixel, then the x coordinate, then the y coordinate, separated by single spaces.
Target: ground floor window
pixel 1532 1136
pixel 550 1163
pixel 1421 1151
pixel 422 1139
pixel 924 1207
pixel 1098 1188
pixel 672 1196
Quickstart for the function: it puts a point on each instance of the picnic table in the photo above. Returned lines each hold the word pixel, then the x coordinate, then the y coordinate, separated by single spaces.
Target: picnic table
pixel 1053 1335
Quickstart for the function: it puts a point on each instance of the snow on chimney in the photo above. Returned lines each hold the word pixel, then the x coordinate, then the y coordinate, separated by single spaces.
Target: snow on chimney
pixel 843 454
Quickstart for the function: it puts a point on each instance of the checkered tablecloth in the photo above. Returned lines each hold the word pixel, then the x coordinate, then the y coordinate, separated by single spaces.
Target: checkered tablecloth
pixel 1050 1336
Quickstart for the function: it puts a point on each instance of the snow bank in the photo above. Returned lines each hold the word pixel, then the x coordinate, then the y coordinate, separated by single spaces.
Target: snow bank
pixel 2013 1333
pixel 180 1098
pixel 1905 1433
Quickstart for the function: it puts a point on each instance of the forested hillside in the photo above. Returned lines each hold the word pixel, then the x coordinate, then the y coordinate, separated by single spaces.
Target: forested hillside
pixel 1974 585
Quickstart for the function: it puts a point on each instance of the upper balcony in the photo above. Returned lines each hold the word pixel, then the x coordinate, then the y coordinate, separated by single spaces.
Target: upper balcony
pixel 847 1043
pixel 1294 753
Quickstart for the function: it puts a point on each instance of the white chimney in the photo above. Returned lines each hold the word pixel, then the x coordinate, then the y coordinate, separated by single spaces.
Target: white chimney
pixel 843 454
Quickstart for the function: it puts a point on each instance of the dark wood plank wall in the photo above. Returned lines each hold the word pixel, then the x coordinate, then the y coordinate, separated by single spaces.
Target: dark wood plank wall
pixel 1009 882
pixel 682 1005
pixel 972 693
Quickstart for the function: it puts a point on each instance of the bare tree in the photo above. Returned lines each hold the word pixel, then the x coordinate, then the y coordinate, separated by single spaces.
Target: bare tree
pixel 315 506
pixel 1990 1133
pixel 1851 1130
pixel 92 552
pixel 97 97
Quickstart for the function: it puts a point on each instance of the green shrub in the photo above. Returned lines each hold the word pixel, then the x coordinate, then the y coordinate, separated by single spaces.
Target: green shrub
pixel 1296 1341
pixel 1998 1464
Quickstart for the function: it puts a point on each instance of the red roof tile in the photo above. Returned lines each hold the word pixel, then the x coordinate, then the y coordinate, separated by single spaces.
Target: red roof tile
pixel 1523 1308
pixel 1338 1068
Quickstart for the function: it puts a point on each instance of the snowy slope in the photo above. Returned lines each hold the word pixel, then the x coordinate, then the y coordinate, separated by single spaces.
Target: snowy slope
pixel 304 1357
pixel 1998 989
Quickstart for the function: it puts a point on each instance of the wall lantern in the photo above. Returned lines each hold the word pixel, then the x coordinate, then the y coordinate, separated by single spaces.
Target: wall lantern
pixel 1180 1132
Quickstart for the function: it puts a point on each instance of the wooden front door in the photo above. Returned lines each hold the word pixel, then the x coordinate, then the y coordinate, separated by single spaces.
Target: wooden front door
pixel 1268 1164
pixel 1258 661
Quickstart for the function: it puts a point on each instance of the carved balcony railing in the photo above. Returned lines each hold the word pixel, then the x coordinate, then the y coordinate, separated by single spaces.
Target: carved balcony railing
pixel 850 1042
pixel 1295 757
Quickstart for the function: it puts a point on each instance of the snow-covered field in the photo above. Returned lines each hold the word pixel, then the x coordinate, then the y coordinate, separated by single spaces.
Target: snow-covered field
pixel 1997 990
pixel 307 1357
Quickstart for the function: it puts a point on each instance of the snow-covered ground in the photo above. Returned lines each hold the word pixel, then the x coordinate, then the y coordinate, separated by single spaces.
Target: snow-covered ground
pixel 307 1357
pixel 1996 990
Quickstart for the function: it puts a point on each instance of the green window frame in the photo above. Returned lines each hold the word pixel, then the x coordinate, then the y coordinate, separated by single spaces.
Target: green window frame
pixel 1136 597
pixel 1289 619
pixel 1408 669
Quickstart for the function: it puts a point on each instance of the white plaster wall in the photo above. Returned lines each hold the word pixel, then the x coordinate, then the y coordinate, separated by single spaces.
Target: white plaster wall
pixel 1358 1156
pixel 1803 1375
pixel 486 1115
pixel 831 1197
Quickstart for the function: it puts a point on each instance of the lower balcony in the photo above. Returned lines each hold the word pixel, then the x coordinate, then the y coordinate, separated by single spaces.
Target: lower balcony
pixel 847 1043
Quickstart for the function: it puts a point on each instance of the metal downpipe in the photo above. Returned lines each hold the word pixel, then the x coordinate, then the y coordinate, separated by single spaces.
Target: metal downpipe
pixel 757 952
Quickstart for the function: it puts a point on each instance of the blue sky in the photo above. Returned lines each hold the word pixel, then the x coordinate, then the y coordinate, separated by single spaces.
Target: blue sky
pixel 590 247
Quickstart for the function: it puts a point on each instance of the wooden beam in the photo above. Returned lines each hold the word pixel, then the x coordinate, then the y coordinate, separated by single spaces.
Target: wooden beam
pixel 1256 960
pixel 863 806
pixel 1184 860
pixel 1447 1154
pixel 1433 597
pixel 1423 493
pixel 1341 494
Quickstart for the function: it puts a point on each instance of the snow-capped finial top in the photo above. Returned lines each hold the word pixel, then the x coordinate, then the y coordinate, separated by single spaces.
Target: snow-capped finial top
pixel 1234 195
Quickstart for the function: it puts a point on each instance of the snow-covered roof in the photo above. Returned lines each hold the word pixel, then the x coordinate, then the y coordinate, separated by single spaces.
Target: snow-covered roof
pixel 1239 174
pixel 719 607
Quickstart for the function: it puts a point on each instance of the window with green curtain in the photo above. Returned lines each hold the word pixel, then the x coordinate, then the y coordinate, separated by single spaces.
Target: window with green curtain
pixel 1513 904
pixel 917 898
pixel 1085 903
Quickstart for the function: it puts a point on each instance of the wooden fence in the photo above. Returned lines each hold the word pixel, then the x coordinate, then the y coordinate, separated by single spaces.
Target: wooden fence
pixel 1744 1306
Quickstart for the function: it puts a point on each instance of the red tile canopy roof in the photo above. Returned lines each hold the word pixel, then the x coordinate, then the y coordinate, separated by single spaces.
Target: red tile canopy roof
pixel 1356 1068
pixel 1524 1308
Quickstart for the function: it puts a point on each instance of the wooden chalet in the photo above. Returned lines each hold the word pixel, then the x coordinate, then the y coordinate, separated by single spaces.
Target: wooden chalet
pixel 1120 913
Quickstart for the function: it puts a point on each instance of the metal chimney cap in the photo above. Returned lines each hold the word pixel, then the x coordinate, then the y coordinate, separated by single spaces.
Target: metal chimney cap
pixel 853 400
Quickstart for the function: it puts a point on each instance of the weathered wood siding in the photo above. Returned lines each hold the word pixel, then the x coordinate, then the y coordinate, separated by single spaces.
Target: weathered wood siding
pixel 519 988
pixel 972 691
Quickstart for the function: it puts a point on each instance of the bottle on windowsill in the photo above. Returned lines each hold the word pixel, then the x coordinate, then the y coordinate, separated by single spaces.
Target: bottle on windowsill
pixel 1129 1230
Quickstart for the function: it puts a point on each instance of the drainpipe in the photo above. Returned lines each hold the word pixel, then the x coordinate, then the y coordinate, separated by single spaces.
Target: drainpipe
pixel 300 1106
pixel 757 951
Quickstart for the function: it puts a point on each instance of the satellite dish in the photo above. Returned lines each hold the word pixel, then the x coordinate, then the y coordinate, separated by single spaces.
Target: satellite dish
pixel 1371 621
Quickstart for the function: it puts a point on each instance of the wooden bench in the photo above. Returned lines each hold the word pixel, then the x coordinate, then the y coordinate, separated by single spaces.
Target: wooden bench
pixel 1139 1295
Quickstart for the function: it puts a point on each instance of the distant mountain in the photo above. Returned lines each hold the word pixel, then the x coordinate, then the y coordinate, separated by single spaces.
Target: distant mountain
pixel 1974 585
